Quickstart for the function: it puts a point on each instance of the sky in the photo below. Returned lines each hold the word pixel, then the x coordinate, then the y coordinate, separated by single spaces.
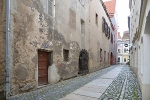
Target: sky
pixel 123 11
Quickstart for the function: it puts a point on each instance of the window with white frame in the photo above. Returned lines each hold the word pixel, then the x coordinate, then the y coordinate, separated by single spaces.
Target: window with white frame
pixel 48 7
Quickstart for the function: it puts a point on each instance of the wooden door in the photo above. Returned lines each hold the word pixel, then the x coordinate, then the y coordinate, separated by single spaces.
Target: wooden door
pixel 42 67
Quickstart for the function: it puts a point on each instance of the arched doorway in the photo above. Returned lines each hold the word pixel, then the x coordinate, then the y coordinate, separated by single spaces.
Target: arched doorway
pixel 83 62
pixel 111 58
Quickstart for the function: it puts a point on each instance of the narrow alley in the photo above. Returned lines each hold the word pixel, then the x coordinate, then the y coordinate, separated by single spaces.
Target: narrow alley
pixel 116 82
pixel 74 49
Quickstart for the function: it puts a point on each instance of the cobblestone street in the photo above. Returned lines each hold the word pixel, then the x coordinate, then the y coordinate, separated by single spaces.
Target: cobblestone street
pixel 124 87
pixel 113 83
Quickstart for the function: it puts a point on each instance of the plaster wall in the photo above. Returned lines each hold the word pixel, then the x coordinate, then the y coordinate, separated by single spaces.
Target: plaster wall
pixel 142 51
pixel 32 30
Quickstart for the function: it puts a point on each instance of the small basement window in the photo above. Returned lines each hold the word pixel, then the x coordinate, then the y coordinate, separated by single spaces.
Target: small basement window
pixel 66 55
pixel 100 55
pixel 82 26
pixel 96 19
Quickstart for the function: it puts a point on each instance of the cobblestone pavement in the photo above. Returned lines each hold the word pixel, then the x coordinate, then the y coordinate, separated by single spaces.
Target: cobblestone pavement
pixel 59 90
pixel 124 87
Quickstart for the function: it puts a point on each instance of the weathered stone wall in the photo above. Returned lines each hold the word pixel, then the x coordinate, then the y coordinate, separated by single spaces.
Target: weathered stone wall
pixel 2 47
pixel 33 30
pixel 98 39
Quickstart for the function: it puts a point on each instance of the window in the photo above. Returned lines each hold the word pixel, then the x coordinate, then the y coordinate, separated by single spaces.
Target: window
pixel 108 57
pixel 106 29
pixel 104 56
pixel 111 38
pixel 96 19
pixel 100 55
pixel 118 50
pixel 66 55
pixel 125 50
pixel 124 59
pixel 82 26
pixel 103 24
pixel 48 7
pixel 118 59
pixel 108 32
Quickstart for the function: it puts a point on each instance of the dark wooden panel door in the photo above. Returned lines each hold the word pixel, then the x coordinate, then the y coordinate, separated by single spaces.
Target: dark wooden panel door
pixel 42 67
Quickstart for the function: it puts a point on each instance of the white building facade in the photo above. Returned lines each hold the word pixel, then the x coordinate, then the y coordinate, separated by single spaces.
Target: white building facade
pixel 140 39
pixel 123 48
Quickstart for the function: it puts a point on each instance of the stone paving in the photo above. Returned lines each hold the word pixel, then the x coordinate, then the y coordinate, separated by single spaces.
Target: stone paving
pixel 94 89
pixel 113 83
pixel 124 87
pixel 59 90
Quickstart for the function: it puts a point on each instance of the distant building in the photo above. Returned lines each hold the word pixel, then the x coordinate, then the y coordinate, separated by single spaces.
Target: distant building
pixel 123 48
pixel 126 45
pixel 120 49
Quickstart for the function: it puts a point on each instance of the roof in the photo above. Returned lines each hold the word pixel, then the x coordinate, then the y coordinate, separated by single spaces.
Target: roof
pixel 110 6
pixel 126 35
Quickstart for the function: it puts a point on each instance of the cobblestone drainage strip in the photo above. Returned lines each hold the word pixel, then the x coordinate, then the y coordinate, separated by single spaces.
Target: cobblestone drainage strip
pixel 124 87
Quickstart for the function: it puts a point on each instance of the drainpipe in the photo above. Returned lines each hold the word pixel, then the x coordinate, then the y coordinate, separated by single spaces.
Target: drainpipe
pixel 7 68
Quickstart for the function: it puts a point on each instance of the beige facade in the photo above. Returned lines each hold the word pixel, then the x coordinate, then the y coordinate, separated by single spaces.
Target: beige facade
pixel 140 39
pixel 69 26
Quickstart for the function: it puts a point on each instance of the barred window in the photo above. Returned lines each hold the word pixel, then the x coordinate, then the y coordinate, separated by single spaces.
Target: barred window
pixel 106 29
pixel 66 55
pixel 103 24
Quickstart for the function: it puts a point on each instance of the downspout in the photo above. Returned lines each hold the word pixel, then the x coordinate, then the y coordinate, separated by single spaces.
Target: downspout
pixel 7 68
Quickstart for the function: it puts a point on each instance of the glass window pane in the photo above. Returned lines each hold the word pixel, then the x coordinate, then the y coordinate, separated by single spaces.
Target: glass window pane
pixel 50 7
pixel 45 6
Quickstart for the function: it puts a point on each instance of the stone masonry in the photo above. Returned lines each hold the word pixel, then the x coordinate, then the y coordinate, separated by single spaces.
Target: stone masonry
pixel 33 30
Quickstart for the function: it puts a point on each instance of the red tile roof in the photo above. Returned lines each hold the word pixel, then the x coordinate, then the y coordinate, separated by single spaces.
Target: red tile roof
pixel 110 6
